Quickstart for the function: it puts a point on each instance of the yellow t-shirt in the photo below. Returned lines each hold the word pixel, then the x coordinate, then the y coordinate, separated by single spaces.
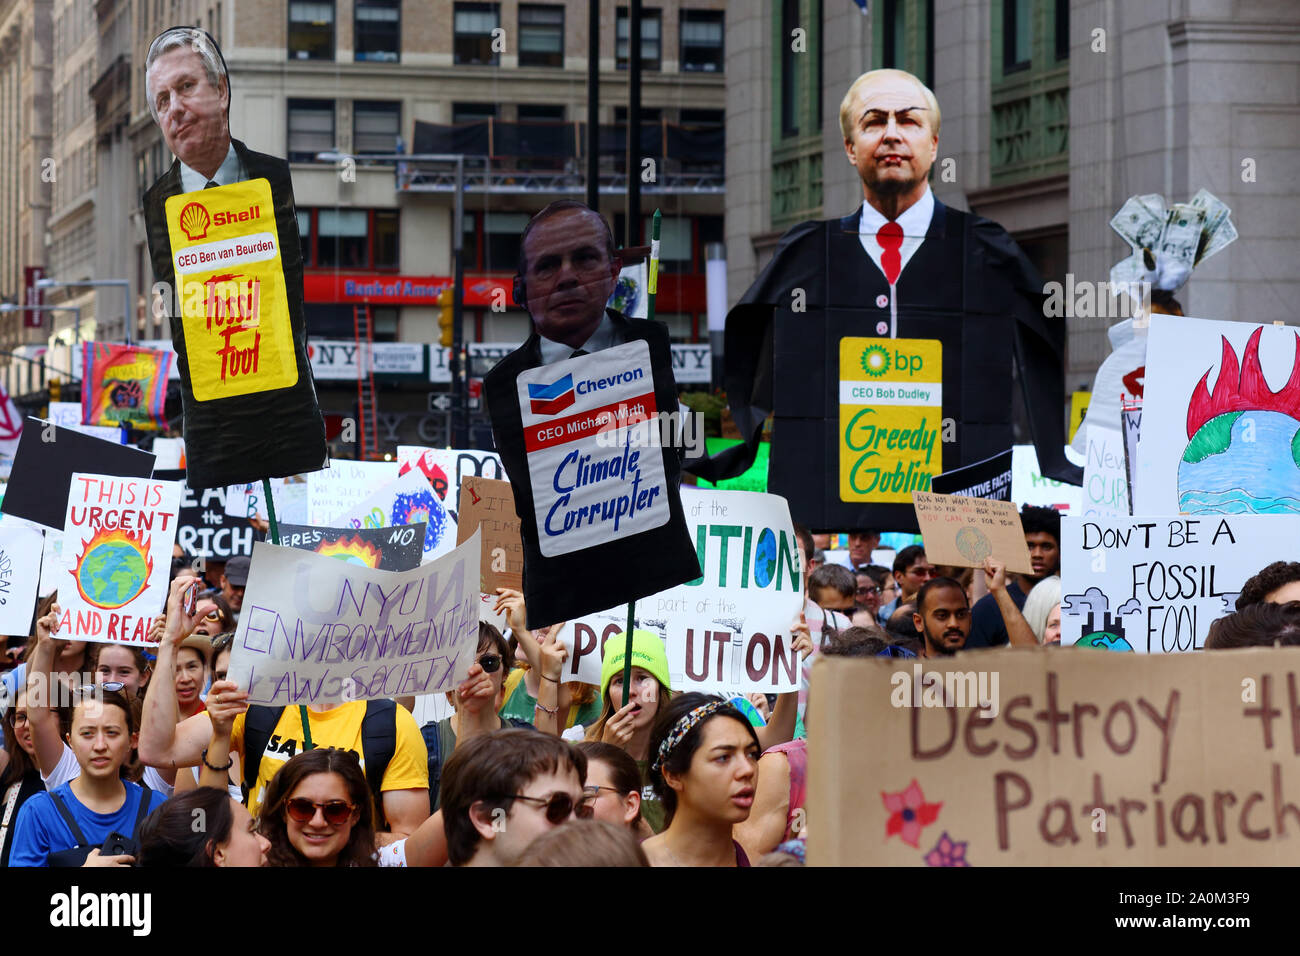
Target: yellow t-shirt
pixel 339 727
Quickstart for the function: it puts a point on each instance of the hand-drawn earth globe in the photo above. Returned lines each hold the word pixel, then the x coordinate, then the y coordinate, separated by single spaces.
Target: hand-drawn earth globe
pixel 974 544
pixel 112 573
pixel 765 558
pixel 1104 640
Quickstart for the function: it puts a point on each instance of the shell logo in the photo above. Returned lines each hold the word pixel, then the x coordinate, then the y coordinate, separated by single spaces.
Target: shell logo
pixel 194 221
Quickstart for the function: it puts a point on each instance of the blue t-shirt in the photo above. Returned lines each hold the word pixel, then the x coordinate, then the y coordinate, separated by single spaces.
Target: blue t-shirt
pixel 41 829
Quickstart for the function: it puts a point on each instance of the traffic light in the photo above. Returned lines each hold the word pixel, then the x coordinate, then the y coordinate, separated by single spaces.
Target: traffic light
pixel 446 314
pixel 56 390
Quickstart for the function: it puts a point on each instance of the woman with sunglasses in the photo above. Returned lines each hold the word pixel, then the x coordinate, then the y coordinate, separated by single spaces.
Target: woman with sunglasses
pixel 705 770
pixel 475 707
pixel 213 615
pixel 317 812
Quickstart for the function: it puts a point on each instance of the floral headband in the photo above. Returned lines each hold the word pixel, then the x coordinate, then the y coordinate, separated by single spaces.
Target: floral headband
pixel 685 724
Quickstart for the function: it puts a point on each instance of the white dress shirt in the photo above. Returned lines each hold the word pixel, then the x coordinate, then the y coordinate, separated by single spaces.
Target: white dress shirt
pixel 915 222
pixel 229 172
pixel 606 336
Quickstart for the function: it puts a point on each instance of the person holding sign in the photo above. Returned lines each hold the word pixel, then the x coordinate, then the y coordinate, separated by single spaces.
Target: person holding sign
pixel 223 233
pixel 1043 539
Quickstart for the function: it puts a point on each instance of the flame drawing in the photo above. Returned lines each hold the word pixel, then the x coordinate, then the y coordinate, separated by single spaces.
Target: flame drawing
pixel 352 550
pixel 194 221
pixel 113 568
pixel 1244 389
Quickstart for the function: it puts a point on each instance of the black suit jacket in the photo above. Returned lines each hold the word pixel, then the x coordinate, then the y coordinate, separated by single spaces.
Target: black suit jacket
pixel 594 579
pixel 265 434
pixel 968 285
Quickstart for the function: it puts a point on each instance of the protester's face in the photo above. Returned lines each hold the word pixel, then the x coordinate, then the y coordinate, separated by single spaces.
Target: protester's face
pixel 821 542
pixel 945 621
pixel 22 729
pixel 244 846
pixel 233 593
pixel 723 773
pixel 830 599
pixel 527 819
pixel 117 663
pixel 1287 592
pixel 319 841
pixel 220 665
pixel 189 676
pixel 570 275
pixel 912 579
pixel 191 111
pixel 1052 632
pixel 209 617
pixel 644 693
pixel 1044 553
pixel 889 591
pixel 99 738
pixel 606 802
pixel 893 143
pixel 867 594
pixel 861 545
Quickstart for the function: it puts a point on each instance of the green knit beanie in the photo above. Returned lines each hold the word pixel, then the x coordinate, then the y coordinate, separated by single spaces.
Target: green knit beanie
pixel 648 653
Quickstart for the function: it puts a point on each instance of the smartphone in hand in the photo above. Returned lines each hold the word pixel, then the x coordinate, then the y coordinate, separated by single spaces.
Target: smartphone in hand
pixel 191 600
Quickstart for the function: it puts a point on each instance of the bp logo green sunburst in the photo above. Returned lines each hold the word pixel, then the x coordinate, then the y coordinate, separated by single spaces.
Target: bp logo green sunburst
pixel 875 360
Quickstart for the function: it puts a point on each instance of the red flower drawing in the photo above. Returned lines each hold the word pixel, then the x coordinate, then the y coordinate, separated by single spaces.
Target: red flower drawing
pixel 909 813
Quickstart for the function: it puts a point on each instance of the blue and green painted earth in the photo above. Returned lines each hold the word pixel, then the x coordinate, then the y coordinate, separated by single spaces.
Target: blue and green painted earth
pixel 1242 463
pixel 112 573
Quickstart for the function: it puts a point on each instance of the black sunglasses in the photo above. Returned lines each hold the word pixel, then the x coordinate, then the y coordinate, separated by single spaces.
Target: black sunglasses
pixel 558 807
pixel 490 663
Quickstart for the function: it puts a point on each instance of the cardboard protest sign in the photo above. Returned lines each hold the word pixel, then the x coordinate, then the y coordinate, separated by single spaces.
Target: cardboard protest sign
pixel 964 531
pixel 117 553
pixel 1029 486
pixel 47 458
pixel 989 479
pixel 388 549
pixel 729 630
pixel 1220 414
pixel 488 507
pixel 124 385
pixel 342 485
pixel 203 527
pixel 1061 758
pixel 314 630
pixel 408 500
pixel 446 468
pixel 20 571
pixel 1156 584
pixel 595 485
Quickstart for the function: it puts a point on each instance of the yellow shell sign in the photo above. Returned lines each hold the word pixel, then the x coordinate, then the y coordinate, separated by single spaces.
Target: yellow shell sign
pixel 891 418
pixel 230 283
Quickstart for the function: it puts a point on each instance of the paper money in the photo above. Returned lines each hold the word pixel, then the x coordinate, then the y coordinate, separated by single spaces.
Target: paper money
pixel 1182 236
pixel 1138 223
pixel 1218 230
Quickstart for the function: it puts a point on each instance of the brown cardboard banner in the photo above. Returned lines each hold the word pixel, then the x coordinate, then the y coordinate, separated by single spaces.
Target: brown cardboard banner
pixel 489 504
pixel 1056 757
pixel 963 531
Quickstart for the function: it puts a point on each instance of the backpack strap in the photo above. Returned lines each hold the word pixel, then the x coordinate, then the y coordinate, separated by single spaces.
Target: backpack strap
pixel 259 725
pixel 142 811
pixel 433 743
pixel 378 745
pixel 68 818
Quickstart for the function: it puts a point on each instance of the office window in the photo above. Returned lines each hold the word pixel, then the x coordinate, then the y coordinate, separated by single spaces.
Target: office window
pixel 501 232
pixel 894 34
pixel 377 31
pixel 701 41
pixel 385 244
pixel 472 112
pixel 538 113
pixel 675 251
pixel 375 126
pixel 1062 29
pixel 541 35
pixel 341 238
pixel 790 70
pixel 473 26
pixel 1015 35
pixel 311 29
pixel 651 36
pixel 311 129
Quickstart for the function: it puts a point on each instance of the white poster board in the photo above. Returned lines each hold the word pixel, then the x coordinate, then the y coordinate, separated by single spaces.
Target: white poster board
pixel 342 485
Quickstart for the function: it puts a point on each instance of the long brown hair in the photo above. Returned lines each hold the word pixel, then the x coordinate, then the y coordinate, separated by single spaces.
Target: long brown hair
pixel 20 762
pixel 360 848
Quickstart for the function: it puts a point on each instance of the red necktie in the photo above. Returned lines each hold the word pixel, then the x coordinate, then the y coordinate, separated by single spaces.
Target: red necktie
pixel 890 238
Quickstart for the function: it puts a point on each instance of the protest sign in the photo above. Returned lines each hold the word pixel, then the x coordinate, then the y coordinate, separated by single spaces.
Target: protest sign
pixel 964 531
pixel 891 411
pixel 51 561
pixel 1029 486
pixel 11 425
pixel 204 528
pixel 170 453
pixel 1220 413
pixel 489 507
pixel 1069 758
pixel 1105 478
pixel 117 553
pixel 446 468
pixel 20 571
pixel 344 484
pixel 124 385
pixel 1131 427
pixel 729 630
pixel 248 500
pixel 408 500
pixel 68 415
pixel 318 631
pixel 388 549
pixel 1156 584
pixel 47 457
pixel 989 479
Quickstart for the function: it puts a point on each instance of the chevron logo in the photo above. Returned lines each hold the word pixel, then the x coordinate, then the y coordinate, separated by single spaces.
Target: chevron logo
pixel 549 399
